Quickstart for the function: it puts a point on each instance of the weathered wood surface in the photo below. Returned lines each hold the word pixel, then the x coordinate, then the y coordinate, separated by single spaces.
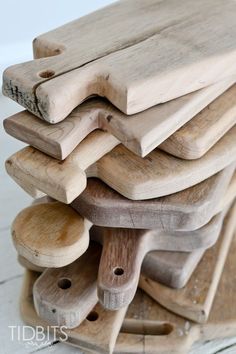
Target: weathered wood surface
pixel 65 296
pixel 136 178
pixel 187 210
pixel 197 136
pixel 124 50
pixel 140 133
pixel 149 328
pixel 195 300
pixel 124 250
pixel 50 235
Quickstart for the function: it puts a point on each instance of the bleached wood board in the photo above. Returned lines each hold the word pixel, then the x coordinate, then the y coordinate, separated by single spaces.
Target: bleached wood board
pixel 124 50
pixel 140 133
pixel 50 234
pixel 187 210
pixel 136 178
pixel 124 250
pixel 195 300
pixel 118 271
pixel 98 330
pixel 65 296
pixel 149 328
pixel 53 235
pixel 197 136
pixel 166 267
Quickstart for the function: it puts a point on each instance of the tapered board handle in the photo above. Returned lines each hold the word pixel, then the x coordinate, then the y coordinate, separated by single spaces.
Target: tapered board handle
pixel 119 270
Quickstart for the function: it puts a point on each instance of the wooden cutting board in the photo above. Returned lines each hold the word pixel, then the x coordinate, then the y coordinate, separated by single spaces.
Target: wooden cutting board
pixel 124 250
pixel 50 234
pixel 149 328
pixel 118 271
pixel 171 268
pixel 197 136
pixel 124 50
pixel 136 178
pixel 100 328
pixel 65 296
pixel 186 210
pixel 53 235
pixel 194 302
pixel 141 133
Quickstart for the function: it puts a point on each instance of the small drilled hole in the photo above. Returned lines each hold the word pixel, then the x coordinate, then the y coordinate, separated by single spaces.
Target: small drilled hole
pixel 92 316
pixel 64 283
pixel 118 271
pixel 47 74
pixel 54 310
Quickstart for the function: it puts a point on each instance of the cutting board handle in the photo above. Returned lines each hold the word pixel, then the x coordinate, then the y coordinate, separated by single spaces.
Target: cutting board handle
pixel 120 264
pixel 51 91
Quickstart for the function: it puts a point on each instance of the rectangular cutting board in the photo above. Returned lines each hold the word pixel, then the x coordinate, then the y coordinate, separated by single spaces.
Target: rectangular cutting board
pixel 136 178
pixel 161 48
pixel 140 133
pixel 149 328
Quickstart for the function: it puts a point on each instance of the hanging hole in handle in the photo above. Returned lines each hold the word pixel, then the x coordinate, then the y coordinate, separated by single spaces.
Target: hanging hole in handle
pixel 64 283
pixel 92 316
pixel 46 74
pixel 118 271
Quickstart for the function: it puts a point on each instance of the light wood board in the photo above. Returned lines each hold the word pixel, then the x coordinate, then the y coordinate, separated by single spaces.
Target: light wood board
pixel 53 235
pixel 50 234
pixel 194 302
pixel 162 49
pixel 140 133
pixel 186 210
pixel 65 296
pixel 118 271
pixel 197 136
pixel 136 178
pixel 124 250
pixel 166 267
pixel 98 331
pixel 149 328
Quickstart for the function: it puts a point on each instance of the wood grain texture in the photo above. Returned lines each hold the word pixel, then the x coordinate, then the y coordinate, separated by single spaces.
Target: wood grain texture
pixel 124 250
pixel 149 328
pixel 53 235
pixel 140 133
pixel 186 210
pixel 195 300
pixel 170 268
pixel 171 43
pixel 50 234
pixel 35 234
pixel 98 335
pixel 65 296
pixel 136 178
pixel 197 136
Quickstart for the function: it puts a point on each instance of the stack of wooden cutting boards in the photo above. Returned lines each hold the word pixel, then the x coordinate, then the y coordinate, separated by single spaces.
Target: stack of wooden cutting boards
pixel 135 187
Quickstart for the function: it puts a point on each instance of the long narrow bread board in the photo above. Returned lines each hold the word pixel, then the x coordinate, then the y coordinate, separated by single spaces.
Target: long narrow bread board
pixel 164 49
pixel 150 328
pixel 59 293
pixel 187 210
pixel 195 300
pixel 136 178
pixel 142 132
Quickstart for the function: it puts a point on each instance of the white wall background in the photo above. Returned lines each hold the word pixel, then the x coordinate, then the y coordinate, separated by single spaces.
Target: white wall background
pixel 22 20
